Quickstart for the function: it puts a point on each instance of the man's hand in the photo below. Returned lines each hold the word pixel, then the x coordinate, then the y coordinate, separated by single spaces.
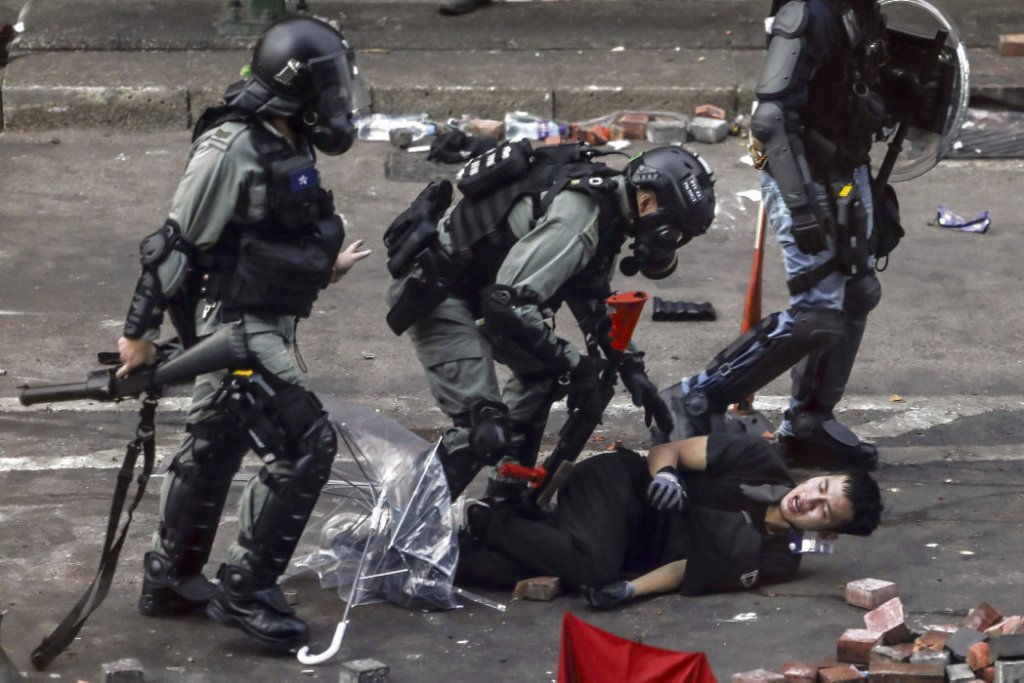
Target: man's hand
pixel 611 595
pixel 666 492
pixel 644 393
pixel 584 388
pixel 813 224
pixel 348 258
pixel 134 353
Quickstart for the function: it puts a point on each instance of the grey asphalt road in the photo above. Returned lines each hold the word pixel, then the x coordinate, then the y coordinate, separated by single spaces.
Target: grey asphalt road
pixel 938 386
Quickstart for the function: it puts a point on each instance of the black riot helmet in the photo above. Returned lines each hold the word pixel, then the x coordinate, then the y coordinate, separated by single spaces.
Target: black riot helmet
pixel 683 185
pixel 304 69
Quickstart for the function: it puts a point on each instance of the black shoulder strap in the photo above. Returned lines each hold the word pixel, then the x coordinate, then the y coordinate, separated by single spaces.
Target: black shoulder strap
pixel 214 116
pixel 65 633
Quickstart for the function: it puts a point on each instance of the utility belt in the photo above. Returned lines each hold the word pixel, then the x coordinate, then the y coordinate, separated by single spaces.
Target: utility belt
pixel 853 246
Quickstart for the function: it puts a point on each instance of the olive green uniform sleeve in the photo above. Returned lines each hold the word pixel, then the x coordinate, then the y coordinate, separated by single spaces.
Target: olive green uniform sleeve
pixel 222 182
pixel 558 247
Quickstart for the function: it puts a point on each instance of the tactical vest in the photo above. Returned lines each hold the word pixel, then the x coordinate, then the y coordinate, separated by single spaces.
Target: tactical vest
pixel 479 228
pixel 845 107
pixel 278 265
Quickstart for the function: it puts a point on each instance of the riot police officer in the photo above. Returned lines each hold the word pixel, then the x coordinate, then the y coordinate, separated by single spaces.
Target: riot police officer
pixel 250 240
pixel 821 103
pixel 481 282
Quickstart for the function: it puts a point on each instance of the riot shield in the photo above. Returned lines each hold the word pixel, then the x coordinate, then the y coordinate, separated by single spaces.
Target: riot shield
pixel 939 102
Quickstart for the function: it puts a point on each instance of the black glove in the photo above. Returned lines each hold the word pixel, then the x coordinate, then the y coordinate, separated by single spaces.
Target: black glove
pixel 812 224
pixel 666 491
pixel 584 388
pixel 611 595
pixel 644 393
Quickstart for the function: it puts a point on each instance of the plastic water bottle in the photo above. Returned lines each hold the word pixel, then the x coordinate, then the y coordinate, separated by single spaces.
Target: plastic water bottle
pixel 378 127
pixel 519 126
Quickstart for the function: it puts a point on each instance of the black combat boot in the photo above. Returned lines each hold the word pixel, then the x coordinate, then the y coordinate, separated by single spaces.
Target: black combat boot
pixel 821 441
pixel 165 594
pixel 258 607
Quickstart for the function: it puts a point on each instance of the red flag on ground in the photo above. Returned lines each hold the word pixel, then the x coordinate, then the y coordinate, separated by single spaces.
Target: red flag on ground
pixel 590 655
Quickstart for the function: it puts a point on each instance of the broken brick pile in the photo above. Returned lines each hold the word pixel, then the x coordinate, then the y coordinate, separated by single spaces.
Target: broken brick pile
pixel 986 647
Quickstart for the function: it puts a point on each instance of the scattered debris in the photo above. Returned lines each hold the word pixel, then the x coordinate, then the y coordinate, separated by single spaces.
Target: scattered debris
pixel 895 398
pixel 709 130
pixel 364 671
pixel 947 219
pixel 378 127
pixel 540 588
pixel 710 111
pixel 1011 45
pixel 990 134
pixel 870 593
pixel 123 671
pixel 520 125
pixel 682 310
pixel 668 132
pixel 986 646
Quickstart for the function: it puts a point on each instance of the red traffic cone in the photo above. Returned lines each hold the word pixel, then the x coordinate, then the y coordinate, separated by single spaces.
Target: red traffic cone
pixel 627 307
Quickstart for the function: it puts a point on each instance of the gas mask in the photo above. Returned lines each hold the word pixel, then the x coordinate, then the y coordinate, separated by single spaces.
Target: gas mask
pixel 654 248
pixel 327 119
pixel 682 185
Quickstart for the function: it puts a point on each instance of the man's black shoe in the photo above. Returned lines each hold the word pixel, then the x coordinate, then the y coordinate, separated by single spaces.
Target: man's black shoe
pixel 164 595
pixel 261 612
pixel 821 450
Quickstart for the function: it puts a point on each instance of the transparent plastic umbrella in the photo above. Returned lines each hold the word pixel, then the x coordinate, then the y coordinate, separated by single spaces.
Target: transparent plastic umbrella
pixel 390 534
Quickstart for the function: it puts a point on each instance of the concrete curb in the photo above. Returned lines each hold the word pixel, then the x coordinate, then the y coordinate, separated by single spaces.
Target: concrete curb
pixel 167 90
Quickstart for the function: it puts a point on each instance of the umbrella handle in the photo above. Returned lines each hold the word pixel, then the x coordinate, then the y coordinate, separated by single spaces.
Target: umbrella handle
pixel 339 633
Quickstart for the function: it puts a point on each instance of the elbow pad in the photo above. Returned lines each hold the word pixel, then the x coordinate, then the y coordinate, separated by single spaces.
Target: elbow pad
pixel 780 69
pixel 144 312
pixel 785 153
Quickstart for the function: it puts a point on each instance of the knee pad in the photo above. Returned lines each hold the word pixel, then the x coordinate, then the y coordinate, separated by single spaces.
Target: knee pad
pixel 491 431
pixel 295 410
pixel 218 445
pixel 862 295
pixel 318 447
pixel 310 463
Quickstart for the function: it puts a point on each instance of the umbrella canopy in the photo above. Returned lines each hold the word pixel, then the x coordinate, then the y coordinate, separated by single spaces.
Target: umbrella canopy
pixel 390 534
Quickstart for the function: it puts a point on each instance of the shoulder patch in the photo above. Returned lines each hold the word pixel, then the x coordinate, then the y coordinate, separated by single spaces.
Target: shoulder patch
pixel 223 136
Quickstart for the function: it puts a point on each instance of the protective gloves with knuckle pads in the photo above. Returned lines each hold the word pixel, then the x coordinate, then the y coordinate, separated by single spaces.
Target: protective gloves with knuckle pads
pixel 666 491
pixel 644 393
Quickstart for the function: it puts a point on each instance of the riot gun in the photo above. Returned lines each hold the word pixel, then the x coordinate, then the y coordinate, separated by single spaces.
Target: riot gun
pixel 572 439
pixel 222 350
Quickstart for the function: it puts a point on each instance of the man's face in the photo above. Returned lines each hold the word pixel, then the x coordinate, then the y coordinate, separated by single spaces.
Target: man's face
pixel 817 504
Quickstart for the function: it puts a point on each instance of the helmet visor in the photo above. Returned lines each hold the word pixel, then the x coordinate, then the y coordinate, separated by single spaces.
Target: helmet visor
pixel 337 76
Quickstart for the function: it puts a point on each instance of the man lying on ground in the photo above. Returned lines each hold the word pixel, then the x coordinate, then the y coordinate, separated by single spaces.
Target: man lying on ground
pixel 701 515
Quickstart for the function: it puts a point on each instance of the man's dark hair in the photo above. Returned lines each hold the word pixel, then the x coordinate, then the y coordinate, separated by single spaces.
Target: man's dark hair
pixel 865 499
